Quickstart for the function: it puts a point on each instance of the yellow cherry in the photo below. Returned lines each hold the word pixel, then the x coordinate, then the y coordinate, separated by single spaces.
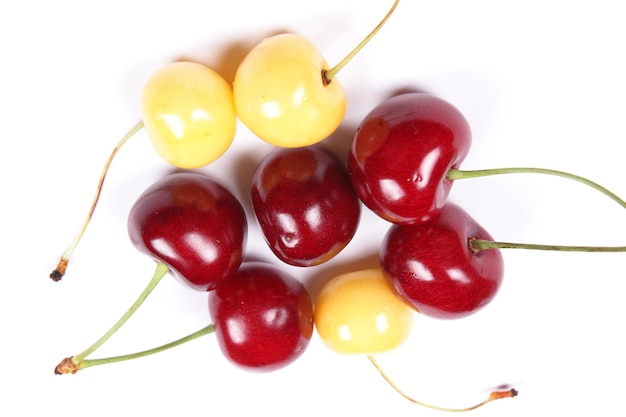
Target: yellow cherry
pixel 357 313
pixel 189 114
pixel 285 93
pixel 280 95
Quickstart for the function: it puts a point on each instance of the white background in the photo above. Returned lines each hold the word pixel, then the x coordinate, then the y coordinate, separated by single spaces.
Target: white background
pixel 540 82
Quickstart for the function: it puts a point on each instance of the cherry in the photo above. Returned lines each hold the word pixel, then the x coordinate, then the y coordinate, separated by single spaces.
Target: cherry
pixel 189 114
pixel 432 267
pixel 263 317
pixel 194 225
pixel 357 313
pixel 305 204
pixel 401 153
pixel 286 94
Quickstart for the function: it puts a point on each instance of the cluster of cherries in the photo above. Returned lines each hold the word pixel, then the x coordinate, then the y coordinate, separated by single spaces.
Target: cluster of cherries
pixel 404 157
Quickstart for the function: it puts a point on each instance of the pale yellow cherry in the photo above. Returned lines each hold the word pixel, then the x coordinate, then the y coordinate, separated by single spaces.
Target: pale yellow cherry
pixel 357 313
pixel 286 94
pixel 189 114
pixel 280 94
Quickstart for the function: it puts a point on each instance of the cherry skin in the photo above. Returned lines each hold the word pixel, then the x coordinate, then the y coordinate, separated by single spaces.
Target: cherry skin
pixel 305 204
pixel 432 267
pixel 263 317
pixel 401 153
pixel 192 224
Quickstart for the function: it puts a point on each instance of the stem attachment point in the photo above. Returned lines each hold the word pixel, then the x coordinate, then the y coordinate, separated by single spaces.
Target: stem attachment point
pixel 66 366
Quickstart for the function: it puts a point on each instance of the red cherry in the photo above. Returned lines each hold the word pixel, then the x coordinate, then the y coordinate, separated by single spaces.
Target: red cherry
pixel 401 153
pixel 432 267
pixel 263 317
pixel 193 225
pixel 305 204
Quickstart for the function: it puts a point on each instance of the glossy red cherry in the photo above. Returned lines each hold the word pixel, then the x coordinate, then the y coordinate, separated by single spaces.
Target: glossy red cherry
pixel 263 317
pixel 305 204
pixel 192 224
pixel 432 267
pixel 401 153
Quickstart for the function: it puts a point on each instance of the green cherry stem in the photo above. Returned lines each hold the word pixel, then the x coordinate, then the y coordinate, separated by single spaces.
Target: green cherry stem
pixel 86 363
pixel 477 245
pixel 455 174
pixel 58 273
pixel 328 75
pixel 480 244
pixel 70 364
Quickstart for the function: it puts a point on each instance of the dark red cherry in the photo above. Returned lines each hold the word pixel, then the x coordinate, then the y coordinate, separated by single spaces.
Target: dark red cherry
pixel 305 204
pixel 432 268
pixel 263 317
pixel 192 224
pixel 401 153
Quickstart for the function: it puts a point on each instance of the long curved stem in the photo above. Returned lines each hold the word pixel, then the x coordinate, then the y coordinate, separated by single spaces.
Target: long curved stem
pixel 479 244
pixel 328 75
pixel 58 273
pixel 495 395
pixel 68 365
pixel 86 363
pixel 455 174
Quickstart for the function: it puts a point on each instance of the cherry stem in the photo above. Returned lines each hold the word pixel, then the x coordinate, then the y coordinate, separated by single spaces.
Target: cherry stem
pixel 86 363
pixel 480 244
pixel 495 395
pixel 455 174
pixel 161 270
pixel 59 272
pixel 328 75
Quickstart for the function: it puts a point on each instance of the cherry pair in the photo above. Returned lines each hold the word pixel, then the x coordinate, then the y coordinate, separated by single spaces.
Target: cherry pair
pixel 403 161
pixel 196 229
